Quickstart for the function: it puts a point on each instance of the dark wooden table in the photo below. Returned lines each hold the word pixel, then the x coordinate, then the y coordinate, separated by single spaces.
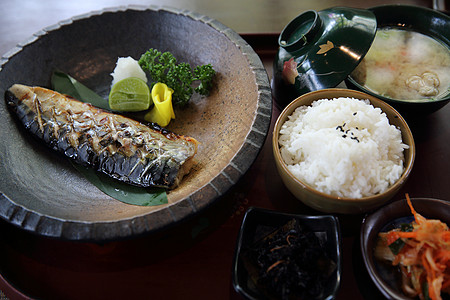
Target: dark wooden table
pixel 194 260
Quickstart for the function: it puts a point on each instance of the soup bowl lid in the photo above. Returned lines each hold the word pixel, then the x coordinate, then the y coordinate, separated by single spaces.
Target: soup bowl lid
pixel 319 50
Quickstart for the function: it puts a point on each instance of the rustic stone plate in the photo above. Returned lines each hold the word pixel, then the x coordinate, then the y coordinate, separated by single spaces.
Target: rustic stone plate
pixel 42 193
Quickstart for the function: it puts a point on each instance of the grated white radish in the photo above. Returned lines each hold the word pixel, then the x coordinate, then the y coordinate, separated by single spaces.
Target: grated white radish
pixel 127 67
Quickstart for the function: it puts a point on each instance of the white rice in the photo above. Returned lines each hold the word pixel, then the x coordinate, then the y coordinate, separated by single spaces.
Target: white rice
pixel 127 67
pixel 343 147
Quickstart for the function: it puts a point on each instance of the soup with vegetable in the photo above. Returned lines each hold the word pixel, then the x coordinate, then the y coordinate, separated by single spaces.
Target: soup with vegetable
pixel 405 65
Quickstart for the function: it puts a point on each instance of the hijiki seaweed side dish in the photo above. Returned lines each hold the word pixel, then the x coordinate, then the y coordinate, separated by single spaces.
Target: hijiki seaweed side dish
pixel 289 263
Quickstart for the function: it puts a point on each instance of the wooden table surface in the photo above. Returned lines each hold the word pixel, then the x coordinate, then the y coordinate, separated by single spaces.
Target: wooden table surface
pixel 194 260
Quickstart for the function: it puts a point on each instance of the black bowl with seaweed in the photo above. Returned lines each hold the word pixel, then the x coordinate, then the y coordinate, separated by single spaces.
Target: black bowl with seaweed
pixel 301 253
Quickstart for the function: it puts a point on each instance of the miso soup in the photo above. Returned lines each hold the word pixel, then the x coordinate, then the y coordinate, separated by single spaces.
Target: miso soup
pixel 405 65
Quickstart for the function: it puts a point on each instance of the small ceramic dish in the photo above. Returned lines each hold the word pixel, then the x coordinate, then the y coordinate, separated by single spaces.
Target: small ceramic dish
pixel 334 204
pixel 385 219
pixel 422 20
pixel 258 222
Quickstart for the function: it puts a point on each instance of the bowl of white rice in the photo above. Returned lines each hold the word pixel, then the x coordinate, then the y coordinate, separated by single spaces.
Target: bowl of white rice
pixel 342 151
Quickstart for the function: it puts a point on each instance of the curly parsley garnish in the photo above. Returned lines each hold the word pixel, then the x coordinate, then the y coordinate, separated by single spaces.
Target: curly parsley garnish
pixel 163 67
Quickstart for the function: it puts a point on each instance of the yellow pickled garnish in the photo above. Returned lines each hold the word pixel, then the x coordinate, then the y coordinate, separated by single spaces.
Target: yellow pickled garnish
pixel 162 111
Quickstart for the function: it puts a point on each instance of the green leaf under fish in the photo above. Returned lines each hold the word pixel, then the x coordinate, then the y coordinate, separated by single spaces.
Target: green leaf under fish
pixel 123 192
pixel 68 85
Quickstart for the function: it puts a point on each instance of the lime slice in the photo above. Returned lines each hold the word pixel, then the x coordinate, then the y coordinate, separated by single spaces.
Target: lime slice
pixel 130 94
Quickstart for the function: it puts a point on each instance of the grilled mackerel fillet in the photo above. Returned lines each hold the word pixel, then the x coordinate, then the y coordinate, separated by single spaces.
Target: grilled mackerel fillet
pixel 110 143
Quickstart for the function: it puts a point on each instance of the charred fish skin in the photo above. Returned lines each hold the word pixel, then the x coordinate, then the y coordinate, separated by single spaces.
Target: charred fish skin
pixel 125 149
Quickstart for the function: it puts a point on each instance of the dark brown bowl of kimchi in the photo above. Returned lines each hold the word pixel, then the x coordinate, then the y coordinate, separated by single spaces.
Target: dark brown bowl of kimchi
pixel 287 256
pixel 396 216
